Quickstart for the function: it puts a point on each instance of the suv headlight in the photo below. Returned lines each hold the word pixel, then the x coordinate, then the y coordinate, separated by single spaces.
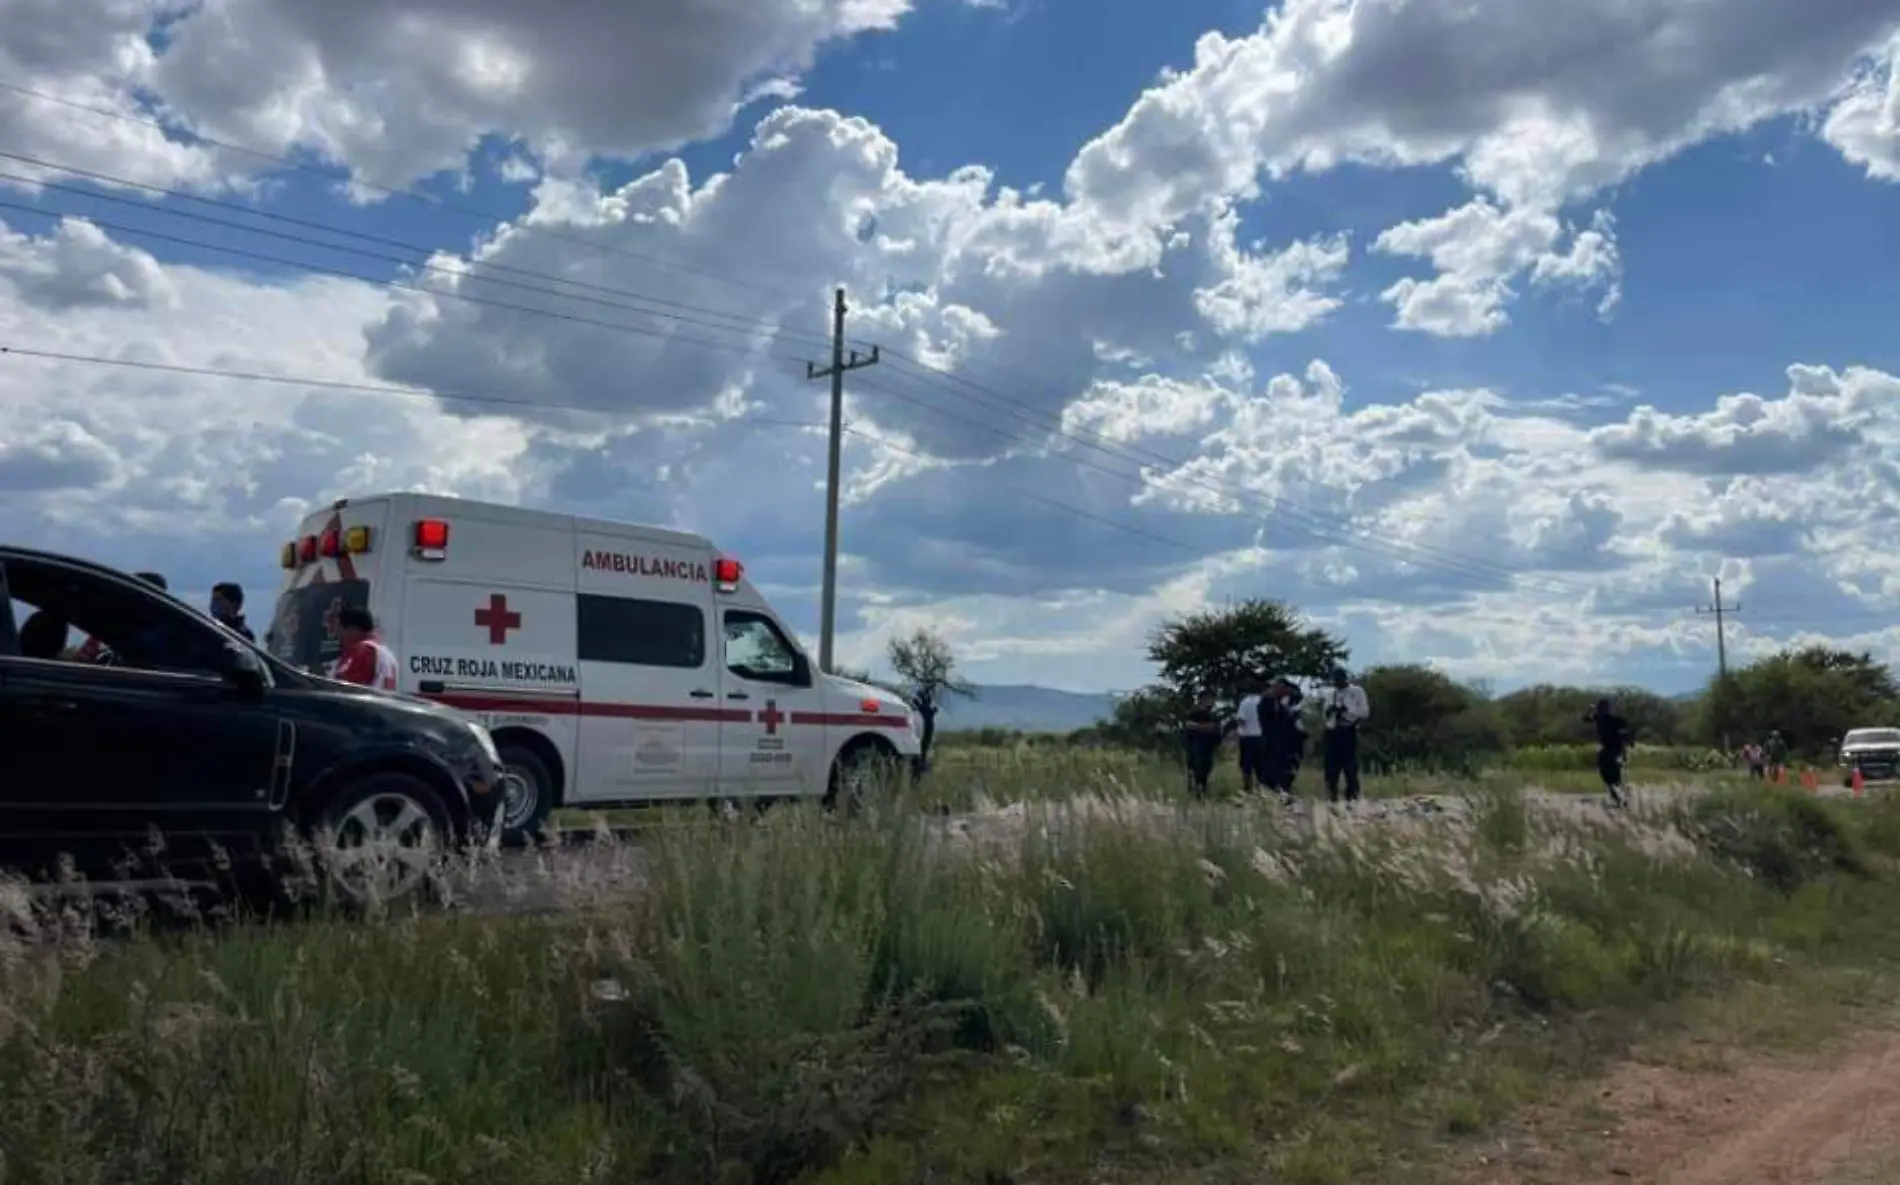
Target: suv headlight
pixel 485 742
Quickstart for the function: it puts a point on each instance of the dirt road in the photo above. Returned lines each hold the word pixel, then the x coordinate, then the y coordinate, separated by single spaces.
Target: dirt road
pixel 1733 1119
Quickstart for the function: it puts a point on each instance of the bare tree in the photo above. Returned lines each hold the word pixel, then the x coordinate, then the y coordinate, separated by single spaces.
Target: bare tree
pixel 925 665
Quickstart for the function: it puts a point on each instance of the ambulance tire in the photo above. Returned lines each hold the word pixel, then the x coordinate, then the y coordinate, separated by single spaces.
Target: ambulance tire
pixel 861 761
pixel 519 761
pixel 387 794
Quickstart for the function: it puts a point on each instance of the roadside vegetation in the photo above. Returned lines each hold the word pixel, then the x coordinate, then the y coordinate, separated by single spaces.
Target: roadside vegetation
pixel 1425 721
pixel 1102 984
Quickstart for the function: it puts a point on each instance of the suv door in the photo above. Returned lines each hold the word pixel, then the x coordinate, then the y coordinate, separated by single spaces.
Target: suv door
pixel 98 756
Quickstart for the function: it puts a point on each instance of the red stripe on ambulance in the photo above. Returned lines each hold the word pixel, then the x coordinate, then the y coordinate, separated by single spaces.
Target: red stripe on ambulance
pixel 850 720
pixel 553 706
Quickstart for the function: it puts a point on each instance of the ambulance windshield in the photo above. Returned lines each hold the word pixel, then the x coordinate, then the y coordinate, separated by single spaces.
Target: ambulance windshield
pixel 303 632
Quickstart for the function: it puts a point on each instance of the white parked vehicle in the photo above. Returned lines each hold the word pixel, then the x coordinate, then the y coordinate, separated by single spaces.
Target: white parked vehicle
pixel 1875 752
pixel 613 664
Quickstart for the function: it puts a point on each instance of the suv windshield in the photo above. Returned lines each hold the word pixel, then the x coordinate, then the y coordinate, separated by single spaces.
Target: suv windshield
pixel 303 630
pixel 1872 736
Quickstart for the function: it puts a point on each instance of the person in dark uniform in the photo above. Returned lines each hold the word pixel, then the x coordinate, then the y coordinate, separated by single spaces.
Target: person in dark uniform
pixel 1613 743
pixel 227 606
pixel 1346 708
pixel 1200 739
pixel 1285 736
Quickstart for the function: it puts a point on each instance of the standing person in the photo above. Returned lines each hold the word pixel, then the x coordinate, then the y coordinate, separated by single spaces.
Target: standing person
pixel 364 661
pixel 1286 738
pixel 227 606
pixel 1613 743
pixel 1346 708
pixel 1200 737
pixel 1756 758
pixel 1249 719
pixel 1776 753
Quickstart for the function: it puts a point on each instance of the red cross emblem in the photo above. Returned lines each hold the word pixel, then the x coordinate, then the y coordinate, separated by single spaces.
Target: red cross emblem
pixel 771 717
pixel 498 619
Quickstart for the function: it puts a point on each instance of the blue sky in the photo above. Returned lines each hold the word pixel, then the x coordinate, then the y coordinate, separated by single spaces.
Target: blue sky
pixel 1355 261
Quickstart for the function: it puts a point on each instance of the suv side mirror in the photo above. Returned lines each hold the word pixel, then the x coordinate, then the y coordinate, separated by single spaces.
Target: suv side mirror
pixel 243 669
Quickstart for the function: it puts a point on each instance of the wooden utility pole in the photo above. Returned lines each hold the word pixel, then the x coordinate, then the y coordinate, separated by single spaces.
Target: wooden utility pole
pixel 828 612
pixel 1721 613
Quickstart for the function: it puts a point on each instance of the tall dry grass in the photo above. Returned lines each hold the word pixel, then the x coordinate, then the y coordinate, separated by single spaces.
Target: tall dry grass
pixel 1046 991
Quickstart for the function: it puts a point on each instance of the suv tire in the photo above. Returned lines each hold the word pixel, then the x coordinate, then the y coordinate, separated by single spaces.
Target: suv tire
pixel 403 824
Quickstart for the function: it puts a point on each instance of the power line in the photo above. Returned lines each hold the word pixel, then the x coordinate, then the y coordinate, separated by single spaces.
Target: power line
pixel 1333 528
pixel 1321 524
pixel 470 271
pixel 1374 546
pixel 1367 542
pixel 458 396
pixel 440 203
pixel 1310 521
pixel 339 273
pixel 322 384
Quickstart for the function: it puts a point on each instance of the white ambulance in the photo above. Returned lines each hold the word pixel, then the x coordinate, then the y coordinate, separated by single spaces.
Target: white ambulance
pixel 613 664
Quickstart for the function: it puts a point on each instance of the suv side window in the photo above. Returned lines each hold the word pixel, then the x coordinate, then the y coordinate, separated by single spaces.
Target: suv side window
pixel 132 626
pixel 756 649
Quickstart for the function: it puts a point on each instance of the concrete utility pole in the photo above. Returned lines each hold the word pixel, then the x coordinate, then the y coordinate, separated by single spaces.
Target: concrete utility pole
pixel 828 613
pixel 1721 612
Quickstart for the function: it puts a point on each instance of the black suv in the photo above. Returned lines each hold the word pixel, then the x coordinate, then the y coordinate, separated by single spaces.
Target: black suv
pixel 166 740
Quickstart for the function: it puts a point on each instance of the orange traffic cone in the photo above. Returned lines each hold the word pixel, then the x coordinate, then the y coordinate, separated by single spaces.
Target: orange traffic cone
pixel 1809 782
pixel 1859 783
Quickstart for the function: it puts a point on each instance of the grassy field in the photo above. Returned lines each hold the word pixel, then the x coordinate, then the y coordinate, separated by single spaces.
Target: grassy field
pixel 1104 985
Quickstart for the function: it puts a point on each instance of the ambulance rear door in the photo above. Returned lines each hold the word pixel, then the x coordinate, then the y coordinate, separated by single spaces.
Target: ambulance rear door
pixel 487 618
pixel 342 557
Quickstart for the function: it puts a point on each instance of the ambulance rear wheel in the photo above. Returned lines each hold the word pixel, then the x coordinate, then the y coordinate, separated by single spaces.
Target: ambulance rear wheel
pixel 527 789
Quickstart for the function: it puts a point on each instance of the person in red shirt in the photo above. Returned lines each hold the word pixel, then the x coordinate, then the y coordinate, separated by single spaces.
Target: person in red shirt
pixel 364 660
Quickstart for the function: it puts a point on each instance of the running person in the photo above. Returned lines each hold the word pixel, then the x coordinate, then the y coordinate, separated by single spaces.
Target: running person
pixel 1613 743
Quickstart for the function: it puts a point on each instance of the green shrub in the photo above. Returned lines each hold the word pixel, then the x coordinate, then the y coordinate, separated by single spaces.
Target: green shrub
pixel 1785 838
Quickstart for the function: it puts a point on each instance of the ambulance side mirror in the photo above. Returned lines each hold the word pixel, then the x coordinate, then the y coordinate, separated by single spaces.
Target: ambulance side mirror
pixel 801 670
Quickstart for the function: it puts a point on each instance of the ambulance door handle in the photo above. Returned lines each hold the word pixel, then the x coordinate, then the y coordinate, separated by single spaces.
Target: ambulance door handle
pixel 737 695
pixel 701 694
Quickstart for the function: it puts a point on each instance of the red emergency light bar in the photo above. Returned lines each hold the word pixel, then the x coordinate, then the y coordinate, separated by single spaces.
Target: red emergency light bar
pixel 431 538
pixel 330 543
pixel 307 550
pixel 727 574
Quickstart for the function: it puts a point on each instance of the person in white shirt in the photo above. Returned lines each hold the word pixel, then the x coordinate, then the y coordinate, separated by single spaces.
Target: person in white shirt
pixel 1345 708
pixel 1252 740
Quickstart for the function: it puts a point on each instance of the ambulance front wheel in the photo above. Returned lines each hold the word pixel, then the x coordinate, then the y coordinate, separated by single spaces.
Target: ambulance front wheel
pixel 527 788
pixel 861 767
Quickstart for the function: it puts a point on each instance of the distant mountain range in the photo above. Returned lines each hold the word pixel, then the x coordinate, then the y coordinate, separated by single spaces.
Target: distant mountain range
pixel 1025 708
